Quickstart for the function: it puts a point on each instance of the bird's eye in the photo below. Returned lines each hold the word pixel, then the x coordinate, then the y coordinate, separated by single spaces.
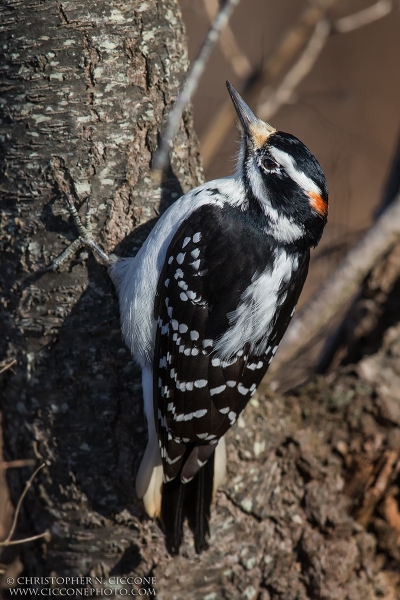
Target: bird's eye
pixel 269 164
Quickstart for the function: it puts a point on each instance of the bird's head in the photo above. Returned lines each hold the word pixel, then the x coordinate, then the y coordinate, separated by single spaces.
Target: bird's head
pixel 283 177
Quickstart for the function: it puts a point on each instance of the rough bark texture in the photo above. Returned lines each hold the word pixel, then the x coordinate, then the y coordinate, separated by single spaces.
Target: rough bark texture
pixel 85 87
pixel 85 90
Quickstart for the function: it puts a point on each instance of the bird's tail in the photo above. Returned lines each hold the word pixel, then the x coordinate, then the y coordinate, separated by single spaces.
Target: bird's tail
pixel 192 500
pixel 174 501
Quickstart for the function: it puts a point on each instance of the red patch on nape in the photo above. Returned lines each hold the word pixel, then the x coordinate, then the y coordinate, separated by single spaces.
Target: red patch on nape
pixel 318 204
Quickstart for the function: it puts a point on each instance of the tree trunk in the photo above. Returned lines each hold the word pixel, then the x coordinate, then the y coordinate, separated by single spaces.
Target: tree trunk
pixel 85 90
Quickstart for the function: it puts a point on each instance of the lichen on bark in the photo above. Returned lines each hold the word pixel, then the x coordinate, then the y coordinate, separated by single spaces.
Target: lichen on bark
pixel 85 90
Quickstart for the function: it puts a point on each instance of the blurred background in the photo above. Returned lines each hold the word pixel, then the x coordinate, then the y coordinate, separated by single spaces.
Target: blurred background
pixel 346 109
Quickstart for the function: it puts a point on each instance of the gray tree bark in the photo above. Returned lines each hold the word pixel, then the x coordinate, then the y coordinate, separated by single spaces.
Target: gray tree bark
pixel 85 89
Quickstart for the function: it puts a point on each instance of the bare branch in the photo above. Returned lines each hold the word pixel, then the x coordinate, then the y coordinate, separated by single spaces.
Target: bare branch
pixel 4 365
pixel 375 493
pixel 297 73
pixel 18 464
pixel 364 17
pixel 7 541
pixel 45 534
pixel 285 53
pixel 229 46
pixel 191 83
pixel 342 285
pixel 292 42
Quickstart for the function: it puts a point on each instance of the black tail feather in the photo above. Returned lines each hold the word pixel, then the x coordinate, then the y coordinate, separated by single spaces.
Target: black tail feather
pixel 172 505
pixel 197 505
pixel 191 500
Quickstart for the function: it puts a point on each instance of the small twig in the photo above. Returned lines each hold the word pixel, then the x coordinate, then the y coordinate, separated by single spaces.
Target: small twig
pixel 7 541
pixel 228 44
pixel 291 43
pixel 392 514
pixel 284 93
pixel 308 58
pixel 18 464
pixel 25 540
pixel 7 365
pixel 283 56
pixel 192 80
pixel 375 493
pixel 364 17
pixel 342 285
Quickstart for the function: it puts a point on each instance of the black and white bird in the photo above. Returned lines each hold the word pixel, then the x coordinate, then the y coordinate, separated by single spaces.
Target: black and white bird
pixel 204 306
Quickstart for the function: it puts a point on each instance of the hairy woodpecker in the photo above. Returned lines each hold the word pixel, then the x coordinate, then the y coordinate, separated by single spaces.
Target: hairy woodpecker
pixel 204 306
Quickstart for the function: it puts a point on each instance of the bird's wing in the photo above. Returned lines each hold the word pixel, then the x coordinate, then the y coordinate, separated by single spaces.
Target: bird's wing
pixel 210 263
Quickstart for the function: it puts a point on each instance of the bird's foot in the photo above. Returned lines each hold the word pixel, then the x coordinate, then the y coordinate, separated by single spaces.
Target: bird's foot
pixel 85 239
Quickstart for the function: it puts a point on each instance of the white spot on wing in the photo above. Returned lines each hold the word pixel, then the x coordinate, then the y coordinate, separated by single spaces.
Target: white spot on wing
pixel 217 390
pixel 195 264
pixel 208 343
pixel 197 237
pixel 189 416
pixel 180 258
pixel 172 461
pixel 200 383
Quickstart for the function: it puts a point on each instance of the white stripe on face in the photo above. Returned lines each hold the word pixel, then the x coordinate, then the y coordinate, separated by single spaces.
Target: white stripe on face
pixel 282 227
pixel 290 166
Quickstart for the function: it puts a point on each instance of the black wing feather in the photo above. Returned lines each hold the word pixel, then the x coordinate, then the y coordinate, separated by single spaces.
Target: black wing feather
pixel 209 264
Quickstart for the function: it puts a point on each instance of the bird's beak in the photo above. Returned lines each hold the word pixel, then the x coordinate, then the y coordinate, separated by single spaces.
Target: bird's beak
pixel 254 129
